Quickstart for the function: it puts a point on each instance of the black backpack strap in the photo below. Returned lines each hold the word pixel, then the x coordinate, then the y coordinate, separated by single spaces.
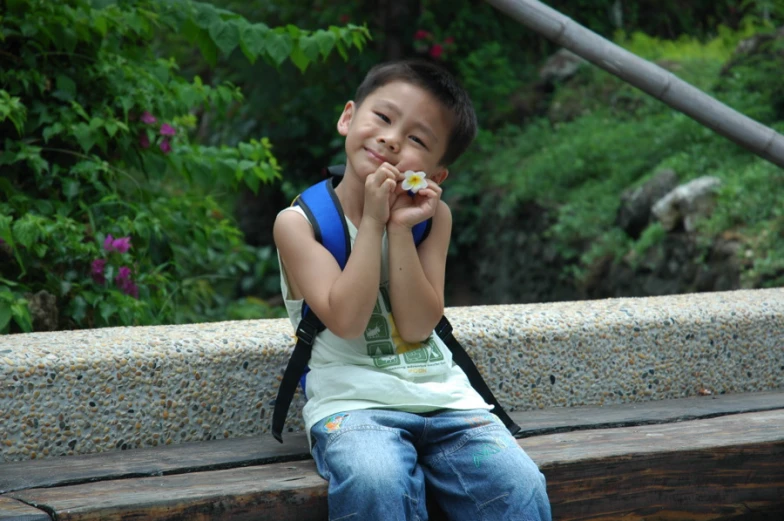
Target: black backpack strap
pixel 461 358
pixel 309 327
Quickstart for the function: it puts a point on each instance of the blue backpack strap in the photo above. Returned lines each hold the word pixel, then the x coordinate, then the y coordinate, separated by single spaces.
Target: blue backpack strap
pixel 323 209
pixel 422 230
pixel 321 205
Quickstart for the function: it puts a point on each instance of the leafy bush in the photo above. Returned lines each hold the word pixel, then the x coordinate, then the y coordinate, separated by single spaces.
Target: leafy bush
pixel 109 205
pixel 577 167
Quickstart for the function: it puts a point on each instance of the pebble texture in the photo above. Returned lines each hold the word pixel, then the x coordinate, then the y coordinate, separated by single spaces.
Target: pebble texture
pixel 91 391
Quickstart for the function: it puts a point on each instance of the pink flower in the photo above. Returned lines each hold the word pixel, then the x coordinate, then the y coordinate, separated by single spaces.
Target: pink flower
pixel 122 245
pixel 125 283
pixel 148 118
pixel 144 141
pixel 436 51
pixel 131 289
pixel 449 40
pixel 167 130
pixel 96 271
pixel 165 146
pixel 123 274
pixel 421 35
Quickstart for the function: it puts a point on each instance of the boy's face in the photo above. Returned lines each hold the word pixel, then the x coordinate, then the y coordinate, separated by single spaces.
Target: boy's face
pixel 399 123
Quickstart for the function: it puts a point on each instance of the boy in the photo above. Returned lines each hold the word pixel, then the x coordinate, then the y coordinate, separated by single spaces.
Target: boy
pixel 387 411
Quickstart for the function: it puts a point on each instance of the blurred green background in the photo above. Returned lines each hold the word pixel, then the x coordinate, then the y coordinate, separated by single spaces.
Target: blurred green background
pixel 148 146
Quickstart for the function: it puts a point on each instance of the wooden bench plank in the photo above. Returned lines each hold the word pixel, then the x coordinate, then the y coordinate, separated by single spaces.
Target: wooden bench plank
pixel 157 461
pixel 14 510
pixel 566 419
pixel 725 431
pixel 706 469
pixel 702 470
pixel 231 453
pixel 275 491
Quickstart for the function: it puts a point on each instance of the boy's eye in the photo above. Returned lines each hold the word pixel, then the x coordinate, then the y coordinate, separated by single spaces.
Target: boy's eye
pixel 417 140
pixel 382 117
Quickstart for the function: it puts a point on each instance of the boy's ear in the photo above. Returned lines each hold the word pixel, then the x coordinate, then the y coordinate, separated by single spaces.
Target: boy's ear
pixel 345 118
pixel 440 175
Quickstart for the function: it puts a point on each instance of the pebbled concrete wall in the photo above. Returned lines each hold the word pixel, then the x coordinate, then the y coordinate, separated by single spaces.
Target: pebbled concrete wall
pixel 97 390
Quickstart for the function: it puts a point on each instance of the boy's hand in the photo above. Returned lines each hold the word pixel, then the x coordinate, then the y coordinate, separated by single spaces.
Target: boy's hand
pixel 408 211
pixel 379 193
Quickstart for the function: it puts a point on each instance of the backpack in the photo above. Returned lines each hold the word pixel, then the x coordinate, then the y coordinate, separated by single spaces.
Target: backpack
pixel 321 205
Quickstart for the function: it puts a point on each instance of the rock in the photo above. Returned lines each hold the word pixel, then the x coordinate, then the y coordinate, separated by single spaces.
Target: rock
pixel 687 203
pixel 634 214
pixel 751 46
pixel 560 66
pixel 43 310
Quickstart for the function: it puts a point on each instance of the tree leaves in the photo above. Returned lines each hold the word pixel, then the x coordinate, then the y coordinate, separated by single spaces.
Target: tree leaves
pixel 252 40
pixel 278 46
pixel 214 30
pixel 226 35
pixel 86 163
pixel 11 107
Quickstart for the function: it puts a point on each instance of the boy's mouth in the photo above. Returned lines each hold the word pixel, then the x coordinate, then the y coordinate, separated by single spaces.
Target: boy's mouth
pixel 376 156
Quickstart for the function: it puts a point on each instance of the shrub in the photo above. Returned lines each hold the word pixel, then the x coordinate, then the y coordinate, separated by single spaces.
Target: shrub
pixel 109 206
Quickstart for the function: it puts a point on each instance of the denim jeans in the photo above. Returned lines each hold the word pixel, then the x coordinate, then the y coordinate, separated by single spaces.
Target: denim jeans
pixel 378 463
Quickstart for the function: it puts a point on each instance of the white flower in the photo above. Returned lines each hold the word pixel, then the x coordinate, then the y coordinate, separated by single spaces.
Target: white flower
pixel 414 181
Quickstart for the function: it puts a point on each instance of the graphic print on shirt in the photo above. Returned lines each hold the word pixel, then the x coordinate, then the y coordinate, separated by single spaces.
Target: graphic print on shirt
pixel 388 349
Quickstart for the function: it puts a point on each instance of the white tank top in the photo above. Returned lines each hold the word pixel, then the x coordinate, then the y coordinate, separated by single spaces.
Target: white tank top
pixel 378 369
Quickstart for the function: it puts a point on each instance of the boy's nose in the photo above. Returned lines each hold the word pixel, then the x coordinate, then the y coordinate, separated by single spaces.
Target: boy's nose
pixel 389 142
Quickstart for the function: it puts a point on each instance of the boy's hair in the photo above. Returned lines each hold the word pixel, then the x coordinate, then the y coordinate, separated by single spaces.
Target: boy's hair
pixel 438 82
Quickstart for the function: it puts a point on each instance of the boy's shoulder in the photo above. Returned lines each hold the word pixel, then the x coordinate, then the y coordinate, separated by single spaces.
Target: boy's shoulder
pixel 291 221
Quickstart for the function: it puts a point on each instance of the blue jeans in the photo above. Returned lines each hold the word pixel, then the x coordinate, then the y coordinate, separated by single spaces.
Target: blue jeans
pixel 379 461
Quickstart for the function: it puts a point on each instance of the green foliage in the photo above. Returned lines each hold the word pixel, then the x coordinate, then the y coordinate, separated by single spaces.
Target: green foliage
pixel 577 167
pixel 492 99
pixel 687 47
pixel 105 146
pixel 749 209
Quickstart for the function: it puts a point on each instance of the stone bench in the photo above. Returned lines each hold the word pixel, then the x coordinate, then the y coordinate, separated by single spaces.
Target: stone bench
pixel 83 392
pixel 707 458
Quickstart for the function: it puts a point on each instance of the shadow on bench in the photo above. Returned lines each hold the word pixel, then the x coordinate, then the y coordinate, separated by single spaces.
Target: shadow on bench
pixel 708 458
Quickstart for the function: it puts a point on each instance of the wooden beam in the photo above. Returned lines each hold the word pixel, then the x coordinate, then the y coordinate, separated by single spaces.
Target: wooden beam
pixel 157 461
pixel 239 452
pixel 702 470
pixel 279 491
pixel 699 470
pixel 13 510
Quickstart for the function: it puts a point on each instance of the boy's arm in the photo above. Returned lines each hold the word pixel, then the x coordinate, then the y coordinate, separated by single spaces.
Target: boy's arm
pixel 343 300
pixel 416 276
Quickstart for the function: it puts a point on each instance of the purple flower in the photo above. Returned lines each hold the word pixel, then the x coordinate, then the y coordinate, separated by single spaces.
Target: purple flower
pixel 96 271
pixel 131 289
pixel 148 118
pixel 144 140
pixel 121 245
pixel 123 274
pixel 167 130
pixel 165 146
pixel 125 283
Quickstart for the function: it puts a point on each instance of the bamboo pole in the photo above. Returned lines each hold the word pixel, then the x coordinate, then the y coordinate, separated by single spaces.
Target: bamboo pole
pixel 648 77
